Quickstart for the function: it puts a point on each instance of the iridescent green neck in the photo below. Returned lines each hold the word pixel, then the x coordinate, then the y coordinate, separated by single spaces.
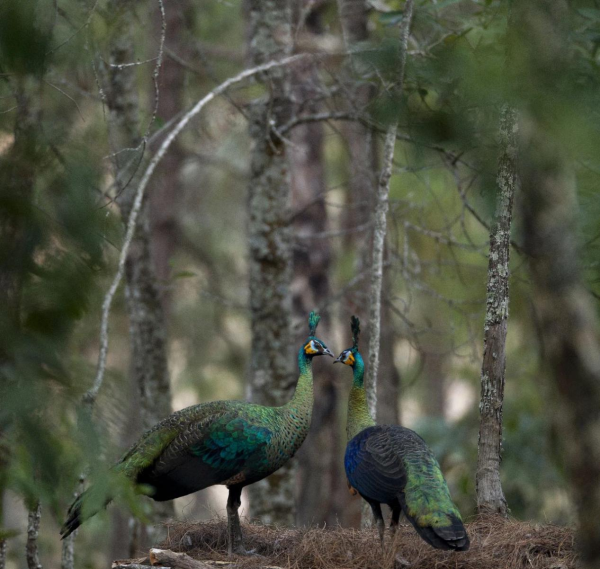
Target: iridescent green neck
pixel 303 396
pixel 358 411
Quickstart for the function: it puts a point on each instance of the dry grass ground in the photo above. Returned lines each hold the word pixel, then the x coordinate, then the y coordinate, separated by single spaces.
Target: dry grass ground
pixel 495 544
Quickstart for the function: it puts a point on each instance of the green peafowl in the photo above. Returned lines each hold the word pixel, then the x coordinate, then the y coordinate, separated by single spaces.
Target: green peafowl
pixel 223 442
pixel 389 464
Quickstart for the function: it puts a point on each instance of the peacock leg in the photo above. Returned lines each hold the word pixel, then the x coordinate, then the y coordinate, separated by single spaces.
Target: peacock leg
pixel 396 510
pixel 376 507
pixel 234 528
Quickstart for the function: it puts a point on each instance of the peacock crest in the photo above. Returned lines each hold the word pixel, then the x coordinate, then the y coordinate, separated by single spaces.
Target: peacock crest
pixel 313 322
pixel 355 327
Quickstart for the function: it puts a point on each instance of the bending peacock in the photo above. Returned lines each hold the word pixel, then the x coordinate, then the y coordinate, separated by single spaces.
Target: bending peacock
pixel 389 464
pixel 223 442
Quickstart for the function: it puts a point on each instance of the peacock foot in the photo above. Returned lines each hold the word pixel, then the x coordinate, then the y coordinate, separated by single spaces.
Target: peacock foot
pixel 241 550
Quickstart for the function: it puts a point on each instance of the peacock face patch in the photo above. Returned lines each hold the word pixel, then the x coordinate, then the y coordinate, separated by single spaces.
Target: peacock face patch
pixel 346 357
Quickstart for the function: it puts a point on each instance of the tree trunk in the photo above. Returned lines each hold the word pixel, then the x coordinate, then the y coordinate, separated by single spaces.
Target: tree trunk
pixel 490 497
pixel 164 193
pixel 320 456
pixel 568 321
pixel 272 366
pixel 147 329
pixel 32 551
pixel 379 232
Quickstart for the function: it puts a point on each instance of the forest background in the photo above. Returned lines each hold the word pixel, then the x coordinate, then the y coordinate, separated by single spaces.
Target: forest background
pixel 265 208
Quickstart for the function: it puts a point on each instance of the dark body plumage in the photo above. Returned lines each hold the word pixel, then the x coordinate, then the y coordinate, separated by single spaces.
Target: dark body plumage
pixel 223 442
pixel 389 464
pixel 392 465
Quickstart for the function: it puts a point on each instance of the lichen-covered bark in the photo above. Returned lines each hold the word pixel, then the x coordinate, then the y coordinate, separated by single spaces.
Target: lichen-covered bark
pixel 148 363
pixel 379 231
pixel 567 316
pixel 272 366
pixel 32 552
pixel 147 325
pixel 490 497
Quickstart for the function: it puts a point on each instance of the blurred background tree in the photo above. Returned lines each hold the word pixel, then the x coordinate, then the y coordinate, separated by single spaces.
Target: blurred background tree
pixel 62 197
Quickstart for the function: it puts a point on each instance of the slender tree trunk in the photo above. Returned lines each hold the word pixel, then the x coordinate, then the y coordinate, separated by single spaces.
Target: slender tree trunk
pixel 380 226
pixel 164 193
pixel 490 497
pixel 272 367
pixel 568 317
pixel 147 328
pixel 33 531
pixel 319 458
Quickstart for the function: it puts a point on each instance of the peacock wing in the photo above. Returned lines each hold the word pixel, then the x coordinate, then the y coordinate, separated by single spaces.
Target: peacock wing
pixel 373 467
pixel 149 448
pixel 225 447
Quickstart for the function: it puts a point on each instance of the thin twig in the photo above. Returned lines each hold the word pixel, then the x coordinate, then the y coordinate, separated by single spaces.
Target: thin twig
pixel 159 60
pixel 67 96
pixel 85 25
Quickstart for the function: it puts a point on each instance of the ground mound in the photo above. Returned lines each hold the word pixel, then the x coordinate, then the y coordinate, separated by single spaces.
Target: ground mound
pixel 496 543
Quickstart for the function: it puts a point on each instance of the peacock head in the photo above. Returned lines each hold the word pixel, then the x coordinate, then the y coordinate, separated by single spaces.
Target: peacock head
pixel 350 355
pixel 314 346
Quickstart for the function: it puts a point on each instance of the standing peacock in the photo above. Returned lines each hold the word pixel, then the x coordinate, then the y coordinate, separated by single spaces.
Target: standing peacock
pixel 389 464
pixel 223 442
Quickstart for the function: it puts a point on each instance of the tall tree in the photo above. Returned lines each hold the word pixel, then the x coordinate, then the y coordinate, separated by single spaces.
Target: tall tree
pixel 148 363
pixel 270 262
pixel 319 458
pixel 490 497
pixel 164 193
pixel 568 319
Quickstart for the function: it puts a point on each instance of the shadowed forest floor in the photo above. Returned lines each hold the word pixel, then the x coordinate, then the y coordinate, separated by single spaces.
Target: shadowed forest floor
pixel 495 543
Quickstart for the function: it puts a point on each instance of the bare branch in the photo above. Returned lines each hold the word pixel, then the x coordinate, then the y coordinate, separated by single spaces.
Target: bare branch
pixel 92 393
pixel 172 559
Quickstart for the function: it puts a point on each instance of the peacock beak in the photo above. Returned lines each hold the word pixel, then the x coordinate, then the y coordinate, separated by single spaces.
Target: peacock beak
pixel 327 352
pixel 338 359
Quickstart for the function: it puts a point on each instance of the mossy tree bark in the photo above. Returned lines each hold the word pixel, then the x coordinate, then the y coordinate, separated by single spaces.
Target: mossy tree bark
pixel 149 366
pixel 490 497
pixel 272 366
